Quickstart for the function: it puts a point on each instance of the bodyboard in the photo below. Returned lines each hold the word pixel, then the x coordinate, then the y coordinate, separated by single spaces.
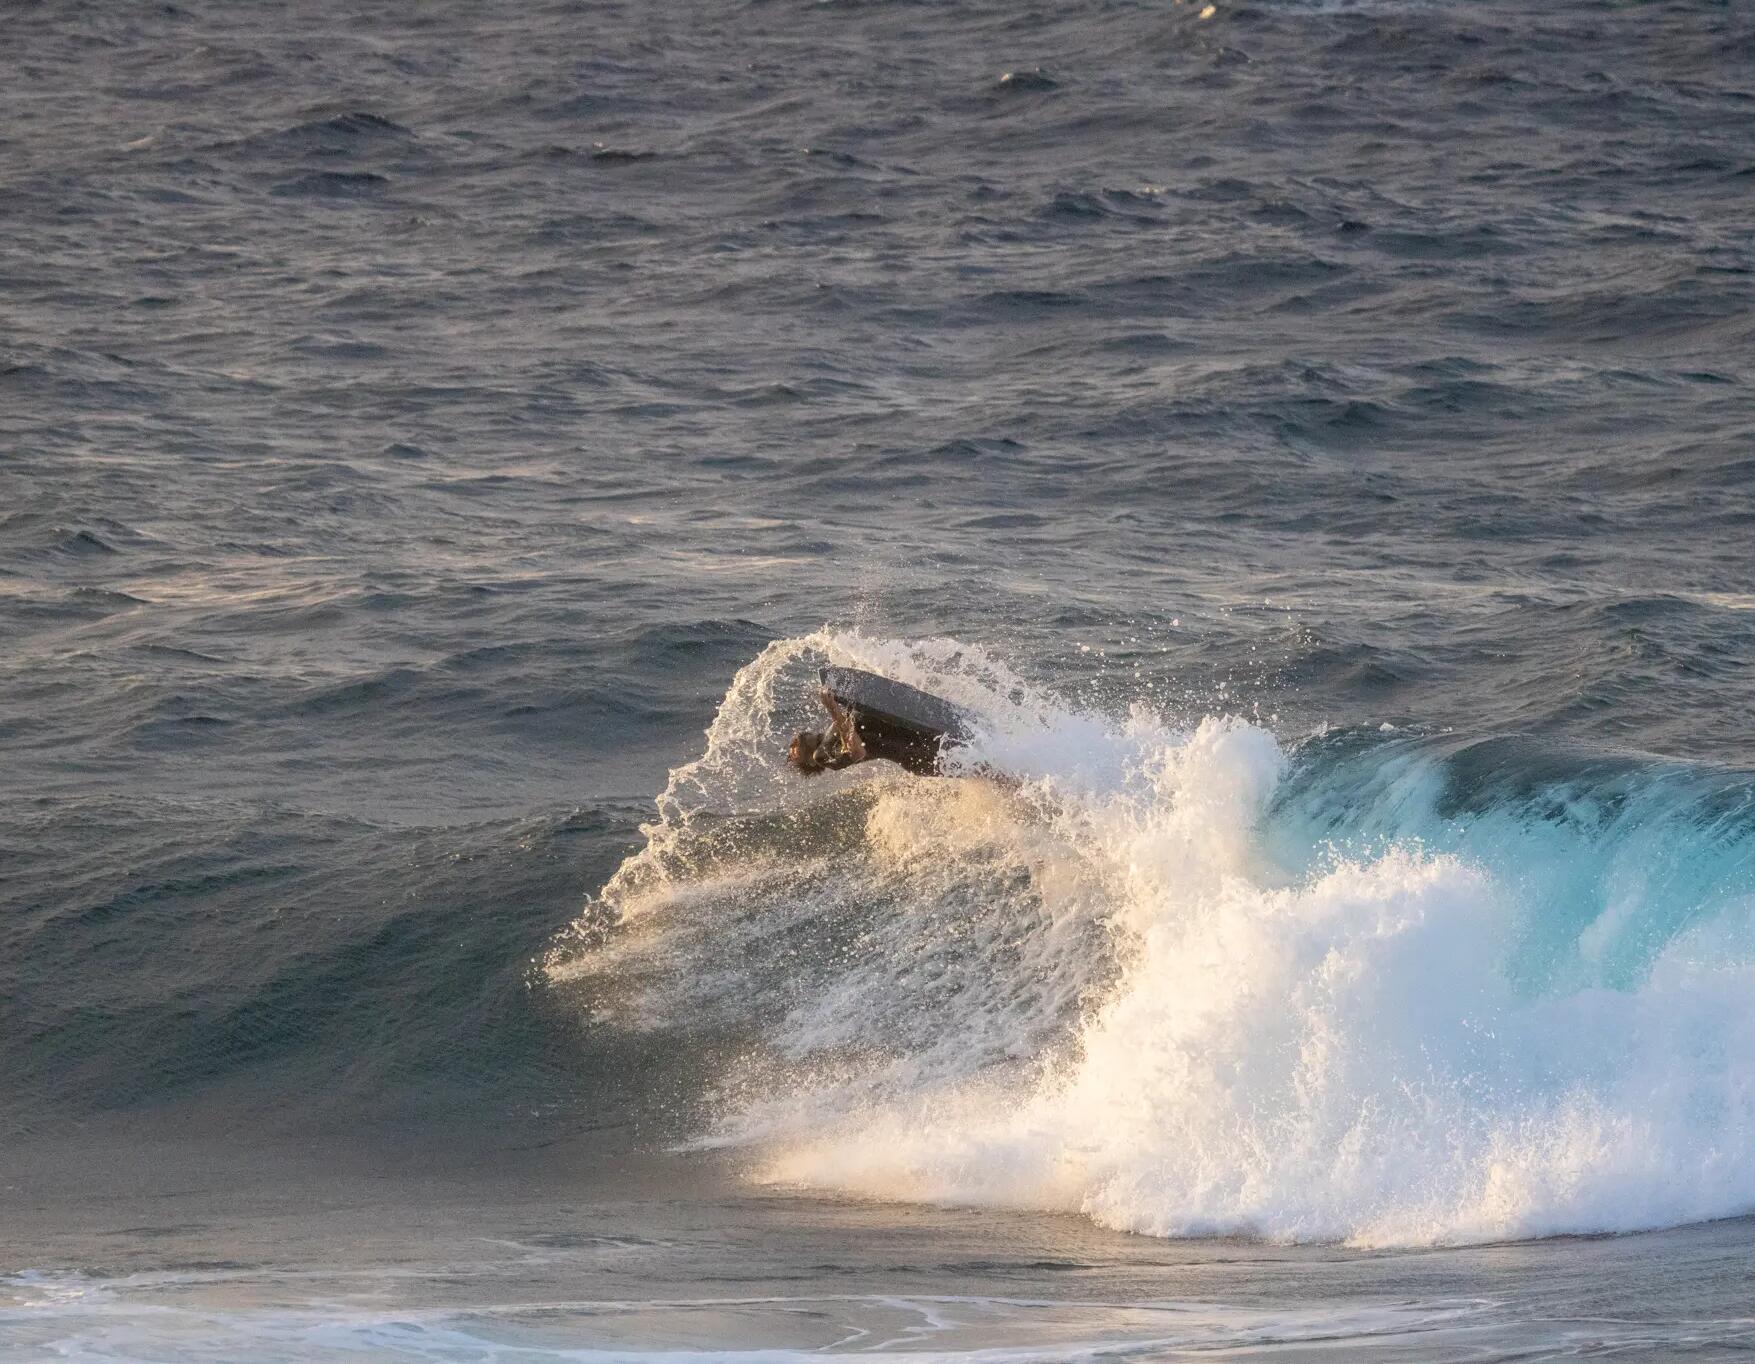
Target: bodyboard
pixel 896 704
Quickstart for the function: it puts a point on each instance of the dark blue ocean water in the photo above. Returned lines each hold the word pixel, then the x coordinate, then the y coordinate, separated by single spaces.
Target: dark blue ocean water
pixel 419 424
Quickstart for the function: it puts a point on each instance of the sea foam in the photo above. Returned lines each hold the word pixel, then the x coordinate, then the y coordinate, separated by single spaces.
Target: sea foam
pixel 1111 974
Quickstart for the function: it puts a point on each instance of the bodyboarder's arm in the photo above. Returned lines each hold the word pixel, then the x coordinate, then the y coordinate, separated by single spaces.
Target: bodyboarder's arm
pixel 851 743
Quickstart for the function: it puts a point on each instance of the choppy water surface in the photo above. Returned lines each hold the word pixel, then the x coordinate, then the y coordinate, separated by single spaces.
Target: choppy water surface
pixel 1315 442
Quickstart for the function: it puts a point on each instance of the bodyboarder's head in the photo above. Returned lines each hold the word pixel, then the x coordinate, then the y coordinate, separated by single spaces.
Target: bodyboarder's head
pixel 807 752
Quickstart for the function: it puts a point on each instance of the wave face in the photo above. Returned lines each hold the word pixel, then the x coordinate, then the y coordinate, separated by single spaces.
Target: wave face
pixel 1188 978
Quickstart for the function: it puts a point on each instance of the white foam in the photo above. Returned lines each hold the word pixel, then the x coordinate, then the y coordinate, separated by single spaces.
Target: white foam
pixel 67 1317
pixel 1097 992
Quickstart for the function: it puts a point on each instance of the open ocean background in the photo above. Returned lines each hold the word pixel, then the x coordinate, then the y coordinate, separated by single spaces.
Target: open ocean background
pixel 1315 440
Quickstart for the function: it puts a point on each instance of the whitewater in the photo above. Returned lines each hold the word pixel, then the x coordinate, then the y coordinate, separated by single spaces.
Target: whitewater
pixel 1190 977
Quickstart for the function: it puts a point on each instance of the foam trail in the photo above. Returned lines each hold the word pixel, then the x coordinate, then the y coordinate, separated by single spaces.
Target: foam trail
pixel 1187 984
pixel 201 1317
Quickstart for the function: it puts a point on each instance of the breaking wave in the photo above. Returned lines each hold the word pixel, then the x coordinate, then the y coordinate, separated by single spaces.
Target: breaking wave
pixel 1187 977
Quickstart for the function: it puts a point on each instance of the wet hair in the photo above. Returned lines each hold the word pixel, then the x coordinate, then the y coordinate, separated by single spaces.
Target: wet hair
pixel 806 752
